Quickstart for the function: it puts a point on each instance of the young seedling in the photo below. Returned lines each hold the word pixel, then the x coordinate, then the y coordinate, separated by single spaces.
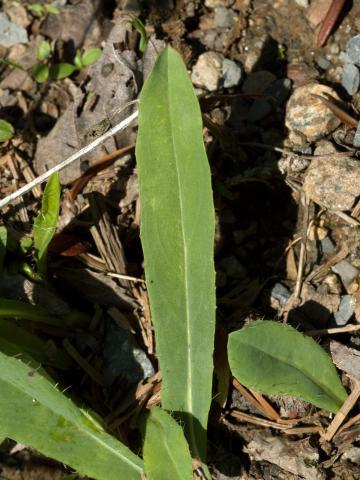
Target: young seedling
pixel 58 71
pixel 40 10
pixel 6 130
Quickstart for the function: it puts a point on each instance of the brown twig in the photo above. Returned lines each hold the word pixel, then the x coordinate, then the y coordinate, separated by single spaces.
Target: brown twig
pixel 245 417
pixel 339 112
pixel 342 413
pixel 329 22
pixel 97 167
pixel 332 331
pixel 60 166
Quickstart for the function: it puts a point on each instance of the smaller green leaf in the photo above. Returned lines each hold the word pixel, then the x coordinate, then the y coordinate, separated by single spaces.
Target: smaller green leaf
pixel 27 311
pixel 51 9
pixel 77 60
pixel 166 452
pixel 6 130
pixel 140 28
pixel 25 244
pixel 3 242
pixel 59 71
pixel 45 223
pixel 43 51
pixel 36 9
pixel 15 341
pixel 90 56
pixel 40 72
pixel 276 359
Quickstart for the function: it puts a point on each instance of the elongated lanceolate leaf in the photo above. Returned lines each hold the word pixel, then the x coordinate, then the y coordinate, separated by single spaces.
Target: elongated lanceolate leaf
pixel 276 359
pixel 34 412
pixel 27 311
pixel 166 452
pixel 15 340
pixel 45 223
pixel 177 235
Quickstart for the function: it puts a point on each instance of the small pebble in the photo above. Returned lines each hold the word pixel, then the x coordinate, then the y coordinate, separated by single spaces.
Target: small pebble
pixel 308 115
pixel 224 17
pixel 302 3
pixel 356 141
pixel 208 71
pixel 232 267
pixel 257 82
pixel 280 293
pixel 353 49
pixel 278 91
pixel 327 246
pixel 323 63
pixel 333 182
pixel 350 78
pixel 345 312
pixel 11 34
pixel 346 272
pixel 301 73
pixel 218 3
pixel 231 73
pixel 123 357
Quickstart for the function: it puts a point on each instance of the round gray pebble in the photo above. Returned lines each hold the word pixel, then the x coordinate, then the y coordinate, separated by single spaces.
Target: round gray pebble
pixel 350 78
pixel 353 49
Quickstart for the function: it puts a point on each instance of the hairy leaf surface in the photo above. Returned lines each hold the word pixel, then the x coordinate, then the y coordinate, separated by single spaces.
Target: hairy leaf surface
pixel 276 359
pixel 166 452
pixel 34 412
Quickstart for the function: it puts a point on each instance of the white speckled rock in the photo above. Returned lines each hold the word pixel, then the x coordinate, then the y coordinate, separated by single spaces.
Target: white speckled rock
pixel 308 115
pixel 333 182
pixel 208 71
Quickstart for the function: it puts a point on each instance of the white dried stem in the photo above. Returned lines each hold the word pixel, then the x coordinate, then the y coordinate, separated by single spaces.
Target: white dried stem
pixel 37 181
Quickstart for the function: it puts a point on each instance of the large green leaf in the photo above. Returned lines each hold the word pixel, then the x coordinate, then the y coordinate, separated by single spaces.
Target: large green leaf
pixel 276 359
pixel 34 412
pixel 177 235
pixel 166 452
pixel 45 223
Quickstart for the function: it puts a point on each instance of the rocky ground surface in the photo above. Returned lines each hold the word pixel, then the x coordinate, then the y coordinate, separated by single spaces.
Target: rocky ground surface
pixel 281 131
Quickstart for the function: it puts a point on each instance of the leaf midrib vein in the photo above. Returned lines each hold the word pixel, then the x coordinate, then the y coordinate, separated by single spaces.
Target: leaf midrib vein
pixel 186 280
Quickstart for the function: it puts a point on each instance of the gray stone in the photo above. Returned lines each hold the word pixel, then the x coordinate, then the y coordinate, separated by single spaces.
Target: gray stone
pixel 11 34
pixel 323 63
pixel 231 73
pixel 280 293
pixel 350 78
pixel 224 17
pixel 123 357
pixel 346 272
pixel 327 246
pixel 258 110
pixel 353 49
pixel 333 182
pixel 356 141
pixel 345 312
pixel 232 267
pixel 257 82
pixel 207 72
